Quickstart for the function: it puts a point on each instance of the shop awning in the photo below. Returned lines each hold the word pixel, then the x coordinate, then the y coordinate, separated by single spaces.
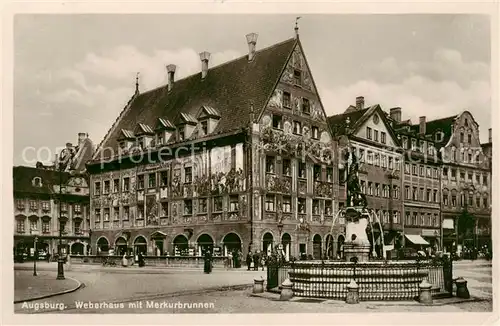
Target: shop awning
pixel 416 239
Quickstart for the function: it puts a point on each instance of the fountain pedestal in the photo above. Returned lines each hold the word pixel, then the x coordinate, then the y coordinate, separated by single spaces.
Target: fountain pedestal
pixel 357 243
pixel 362 252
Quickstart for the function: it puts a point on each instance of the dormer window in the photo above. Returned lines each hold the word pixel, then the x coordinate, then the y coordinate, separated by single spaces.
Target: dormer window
pixel 37 182
pixel 144 135
pixel 439 136
pixel 208 117
pixel 204 127
pixel 181 133
pixel 164 129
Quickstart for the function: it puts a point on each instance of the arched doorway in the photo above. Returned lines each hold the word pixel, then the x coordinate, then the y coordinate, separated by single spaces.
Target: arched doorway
pixel 329 247
pixel 205 242
pixel 317 246
pixel 102 245
pixel 140 245
pixel 286 241
pixel 181 246
pixel 232 243
pixel 340 246
pixel 121 246
pixel 77 248
pixel 267 243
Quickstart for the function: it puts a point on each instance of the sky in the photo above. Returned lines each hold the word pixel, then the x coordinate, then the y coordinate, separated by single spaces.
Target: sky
pixel 75 73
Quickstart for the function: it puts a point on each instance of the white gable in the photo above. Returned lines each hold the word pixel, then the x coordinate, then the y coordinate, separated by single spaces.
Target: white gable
pixel 375 123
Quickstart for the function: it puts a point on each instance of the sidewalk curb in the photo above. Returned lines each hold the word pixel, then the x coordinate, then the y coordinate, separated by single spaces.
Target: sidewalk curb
pixel 79 285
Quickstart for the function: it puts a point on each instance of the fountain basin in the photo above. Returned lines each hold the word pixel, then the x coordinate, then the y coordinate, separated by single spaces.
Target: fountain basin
pixel 377 280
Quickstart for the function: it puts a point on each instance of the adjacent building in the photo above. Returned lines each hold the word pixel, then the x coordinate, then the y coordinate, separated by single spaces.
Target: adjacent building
pixel 236 157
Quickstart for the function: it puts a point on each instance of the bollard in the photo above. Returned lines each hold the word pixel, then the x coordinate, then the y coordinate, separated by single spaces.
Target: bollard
pixel 425 295
pixel 352 293
pixel 286 290
pixel 462 291
pixel 258 285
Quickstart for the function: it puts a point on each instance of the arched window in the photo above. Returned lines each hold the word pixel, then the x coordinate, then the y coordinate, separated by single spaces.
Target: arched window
pixel 37 182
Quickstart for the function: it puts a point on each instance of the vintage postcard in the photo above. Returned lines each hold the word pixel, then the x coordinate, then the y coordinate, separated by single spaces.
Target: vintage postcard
pixel 305 165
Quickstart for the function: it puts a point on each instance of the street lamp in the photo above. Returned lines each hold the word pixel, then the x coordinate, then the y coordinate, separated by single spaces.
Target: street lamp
pixel 35 240
pixel 60 259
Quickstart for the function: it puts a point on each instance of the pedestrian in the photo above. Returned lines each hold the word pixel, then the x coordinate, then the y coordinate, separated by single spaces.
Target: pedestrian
pixel 48 257
pixel 141 259
pixel 249 259
pixel 207 268
pixel 230 259
pixel 263 260
pixel 256 260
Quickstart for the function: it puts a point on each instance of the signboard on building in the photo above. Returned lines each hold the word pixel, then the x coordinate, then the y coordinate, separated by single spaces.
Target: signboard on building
pixel 430 233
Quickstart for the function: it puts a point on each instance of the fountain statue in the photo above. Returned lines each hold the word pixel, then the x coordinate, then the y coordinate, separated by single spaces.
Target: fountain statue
pixel 356 215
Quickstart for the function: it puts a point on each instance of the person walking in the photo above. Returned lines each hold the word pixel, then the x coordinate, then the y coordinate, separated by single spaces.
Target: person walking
pixel 249 259
pixel 141 259
pixel 256 260
pixel 263 260
pixel 207 262
pixel 230 259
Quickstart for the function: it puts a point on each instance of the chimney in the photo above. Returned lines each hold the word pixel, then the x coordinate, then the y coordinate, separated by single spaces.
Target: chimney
pixel 81 137
pixel 423 124
pixel 171 74
pixel 204 57
pixel 489 136
pixel 395 114
pixel 360 103
pixel 252 41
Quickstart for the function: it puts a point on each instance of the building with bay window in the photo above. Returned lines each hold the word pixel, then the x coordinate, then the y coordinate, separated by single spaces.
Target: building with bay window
pixel 236 157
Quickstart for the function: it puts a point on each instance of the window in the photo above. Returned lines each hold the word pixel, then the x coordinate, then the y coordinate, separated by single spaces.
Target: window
pixel 287 204
pixel 363 186
pixel 328 207
pixel 462 176
pixel 126 213
pixel 302 205
pixel 181 133
pixel 306 106
pixel 377 189
pixel 428 172
pixel 33 205
pixel 218 204
pixel 188 207
pixel 277 121
pixel 478 202
pixel 77 208
pixel 204 127
pixel 429 198
pixel 435 173
pixel 383 161
pixel 422 173
pixel 287 100
pixel 454 200
pixel 297 77
pixel 436 220
pixel 445 200
pixel 315 132
pixel 270 164
pixel 33 225
pixel 413 144
pixel 316 207
pixel 407 218
pixel 317 172
pixel 369 157
pixel 415 218
pixel 164 178
pixel 422 146
pixel 414 194
pixel 370 188
pixel 461 137
pixel 478 178
pixel 20 204
pixel 469 176
pixel 453 174
pixel 97 214
pixel 445 172
pixel 106 187
pixel 368 133
pixel 396 218
pixel 485 180
pixel 287 170
pixel 385 217
pixel 422 194
pixel 140 181
pixel 20 226
pixel 297 128
pixel 375 135
pixel 435 196
pixel 395 192
pixel 97 188
pixel 469 158
pixel 405 142
pixel 202 205
pixel 106 214
pixel 152 180
pixel 126 184
pixel 270 199
pixel 45 227
pixel 116 213
pixel 414 169
pixel 116 185
pixel 78 227
pixel 46 206
pixel 329 174
pixel 234 204
pixel 485 202
pixel 407 168
pixel 302 170
pixel 407 192
pixel 386 191
pixel 361 155
pixel 382 137
pixel 430 149
pixel 188 174
pixel 377 159
pixel 391 162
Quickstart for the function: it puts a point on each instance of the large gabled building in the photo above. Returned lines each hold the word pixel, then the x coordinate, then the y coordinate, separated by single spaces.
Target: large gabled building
pixel 239 157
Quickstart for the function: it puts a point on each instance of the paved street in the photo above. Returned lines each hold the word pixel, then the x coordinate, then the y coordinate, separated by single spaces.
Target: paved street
pixel 191 291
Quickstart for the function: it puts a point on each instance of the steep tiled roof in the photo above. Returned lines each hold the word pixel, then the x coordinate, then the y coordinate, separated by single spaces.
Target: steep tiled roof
pixel 229 87
pixel 338 123
pixel 443 124
pixel 23 179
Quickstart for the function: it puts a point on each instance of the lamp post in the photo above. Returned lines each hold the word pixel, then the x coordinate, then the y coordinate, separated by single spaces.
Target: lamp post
pixel 35 240
pixel 60 259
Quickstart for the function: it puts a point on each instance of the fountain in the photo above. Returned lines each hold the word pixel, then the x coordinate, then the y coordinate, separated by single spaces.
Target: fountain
pixel 376 279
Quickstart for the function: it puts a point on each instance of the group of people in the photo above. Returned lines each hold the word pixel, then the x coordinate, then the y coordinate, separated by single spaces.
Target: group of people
pixel 233 259
pixel 256 259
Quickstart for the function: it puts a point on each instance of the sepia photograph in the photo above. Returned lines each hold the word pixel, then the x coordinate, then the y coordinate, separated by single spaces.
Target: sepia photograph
pixel 251 163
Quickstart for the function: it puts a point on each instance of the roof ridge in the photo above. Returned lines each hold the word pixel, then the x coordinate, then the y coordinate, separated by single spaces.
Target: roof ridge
pixel 220 65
